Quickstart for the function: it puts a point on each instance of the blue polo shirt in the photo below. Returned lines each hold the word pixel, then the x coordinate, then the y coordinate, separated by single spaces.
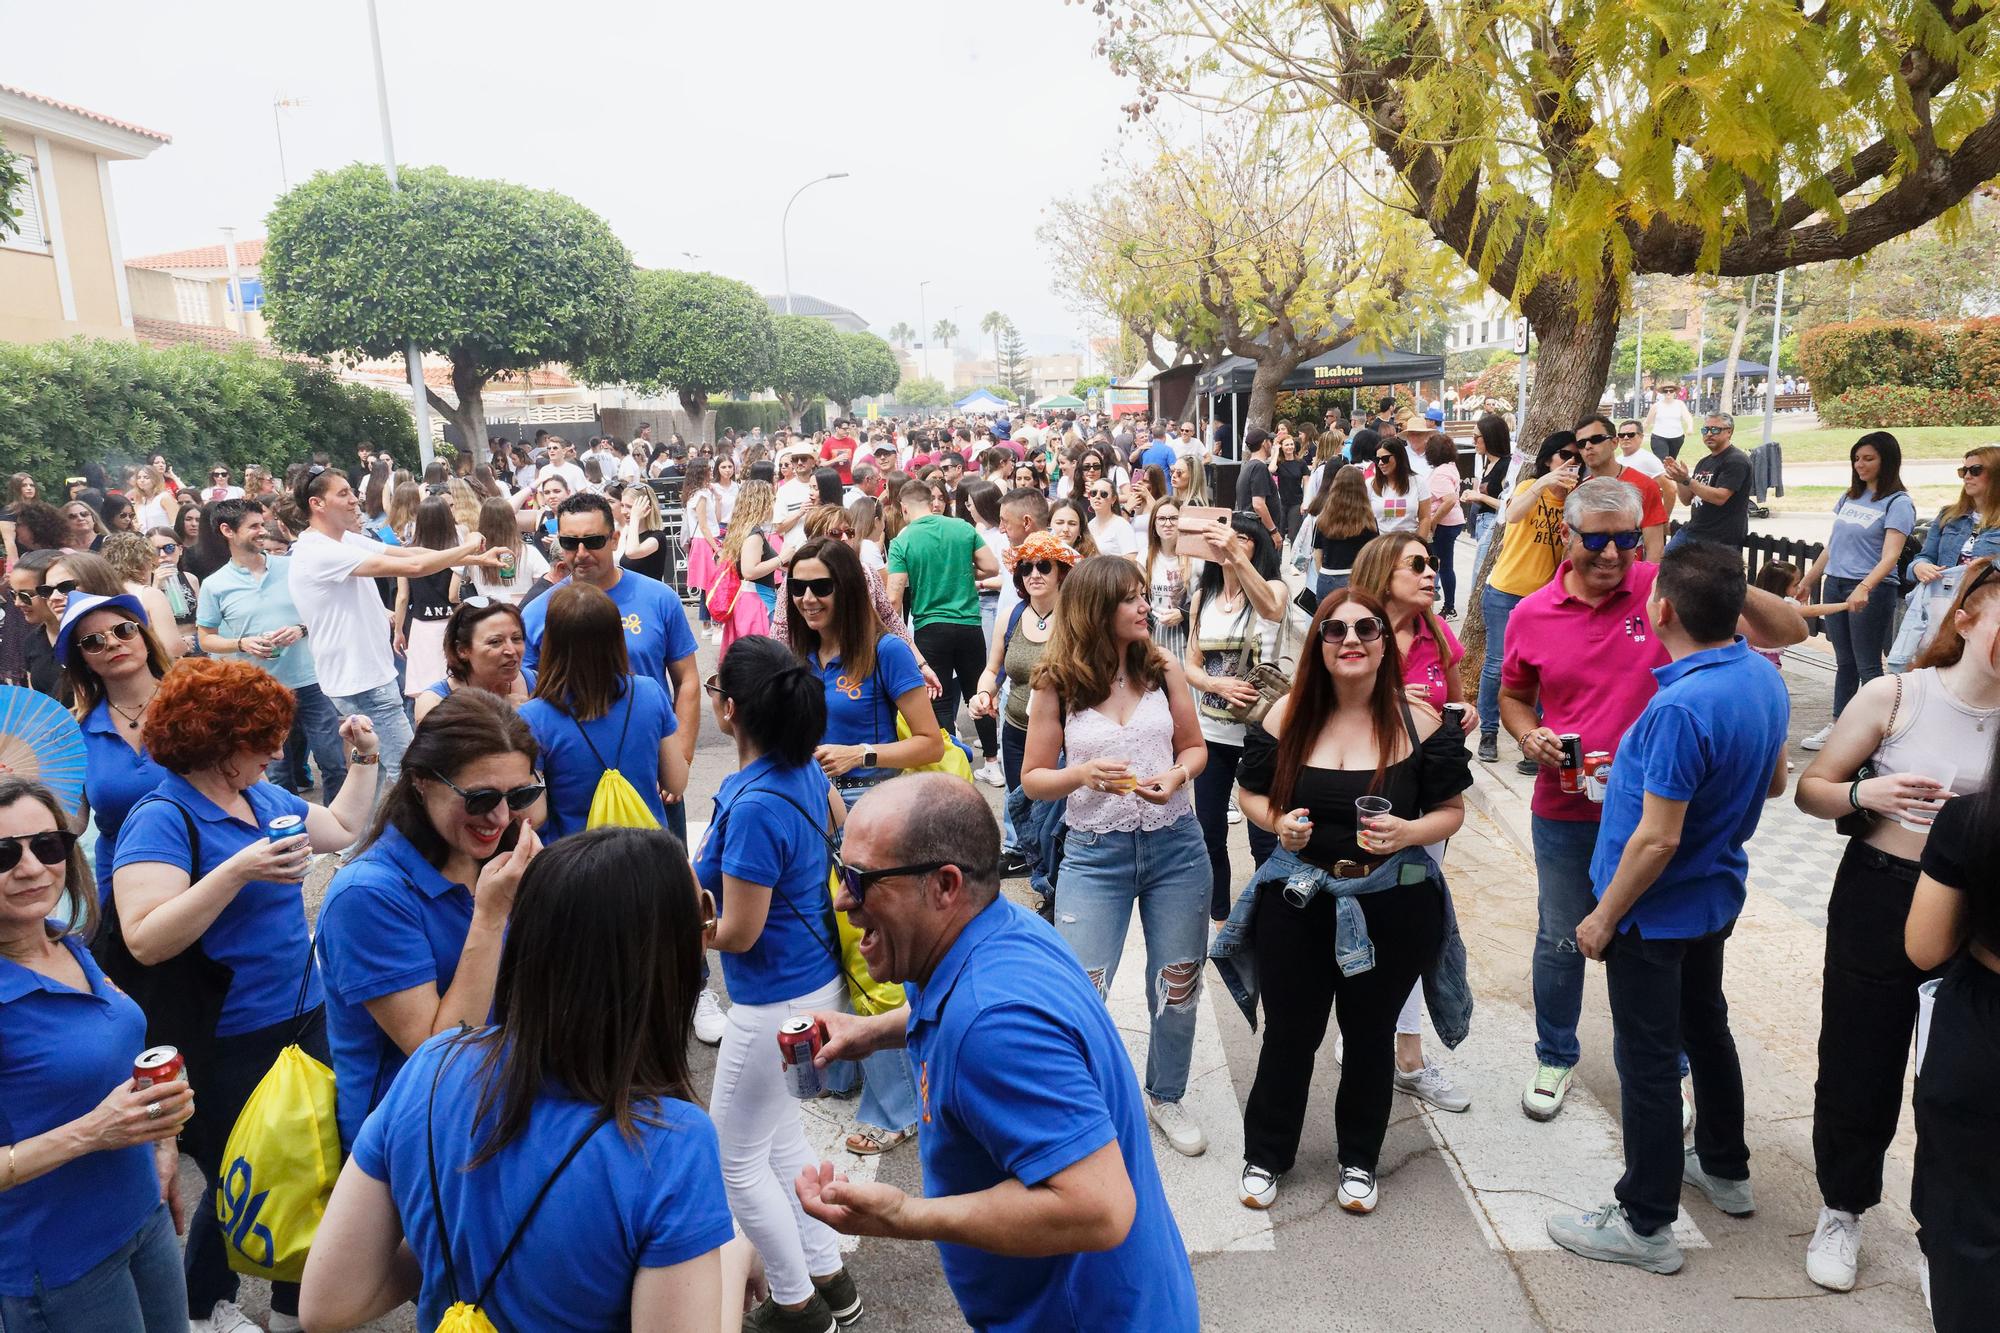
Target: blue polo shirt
pixel 262 933
pixel 1159 453
pixel 620 1206
pixel 1022 1074
pixel 61 1051
pixel 390 921
pixel 115 776
pixel 236 604
pixel 656 625
pixel 863 712
pixel 758 836
pixel 1711 737
pixel 628 737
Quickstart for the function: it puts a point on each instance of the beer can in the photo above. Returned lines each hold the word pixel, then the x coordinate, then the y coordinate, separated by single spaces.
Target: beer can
pixel 1454 718
pixel 161 1064
pixel 506 564
pixel 799 1040
pixel 285 826
pixel 1571 775
pixel 1596 774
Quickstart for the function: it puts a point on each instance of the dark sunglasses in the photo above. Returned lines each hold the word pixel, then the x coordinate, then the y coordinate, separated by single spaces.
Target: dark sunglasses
pixel 123 631
pixel 218 475
pixel 594 542
pixel 166 548
pixel 1037 567
pixel 1592 439
pixel 1100 495
pixel 1628 434
pixel 856 881
pixel 1569 456
pixel 51 849
pixel 1385 458
pixel 1418 564
pixel 1716 430
pixel 1972 470
pixel 483 800
pixel 1093 467
pixel 1596 541
pixel 820 588
pixel 1367 629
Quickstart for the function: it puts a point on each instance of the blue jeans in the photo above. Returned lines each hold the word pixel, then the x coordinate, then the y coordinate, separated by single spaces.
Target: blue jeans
pixel 1211 808
pixel 1562 871
pixel 316 726
pixel 139 1287
pixel 888 1097
pixel 1859 637
pixel 1166 873
pixel 383 706
pixel 1496 606
pixel 1444 546
pixel 1484 525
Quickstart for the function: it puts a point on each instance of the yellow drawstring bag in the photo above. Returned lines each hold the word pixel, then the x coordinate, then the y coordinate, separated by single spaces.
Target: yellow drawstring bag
pixel 876 997
pixel 954 760
pixel 616 803
pixel 278 1169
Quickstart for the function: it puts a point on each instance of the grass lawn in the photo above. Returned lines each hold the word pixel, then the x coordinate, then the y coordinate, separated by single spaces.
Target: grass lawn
pixel 1828 445
pixel 1819 499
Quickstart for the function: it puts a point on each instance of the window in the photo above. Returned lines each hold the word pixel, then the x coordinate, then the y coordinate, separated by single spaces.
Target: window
pixel 1483 325
pixel 33 233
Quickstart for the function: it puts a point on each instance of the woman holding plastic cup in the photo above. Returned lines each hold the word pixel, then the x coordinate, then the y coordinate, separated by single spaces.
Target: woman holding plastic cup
pixel 1902 747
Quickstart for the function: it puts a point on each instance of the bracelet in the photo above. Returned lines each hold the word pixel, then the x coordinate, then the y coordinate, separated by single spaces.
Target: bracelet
pixel 10 1166
pixel 356 757
pixel 1854 794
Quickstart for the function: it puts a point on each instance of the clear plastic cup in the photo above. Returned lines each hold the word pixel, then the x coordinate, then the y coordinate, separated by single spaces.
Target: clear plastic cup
pixel 1365 809
pixel 1938 771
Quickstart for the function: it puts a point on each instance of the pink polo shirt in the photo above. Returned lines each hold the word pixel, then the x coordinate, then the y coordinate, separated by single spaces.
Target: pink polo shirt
pixel 1422 665
pixel 1591 666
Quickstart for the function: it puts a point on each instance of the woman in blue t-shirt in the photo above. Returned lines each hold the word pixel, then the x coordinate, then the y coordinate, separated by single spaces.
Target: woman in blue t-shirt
pixel 765 860
pixel 1870 525
pixel 570 1124
pixel 590 714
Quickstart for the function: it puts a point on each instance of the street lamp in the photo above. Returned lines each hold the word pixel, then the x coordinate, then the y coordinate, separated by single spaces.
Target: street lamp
pixel 923 331
pixel 784 223
pixel 413 357
pixel 277 123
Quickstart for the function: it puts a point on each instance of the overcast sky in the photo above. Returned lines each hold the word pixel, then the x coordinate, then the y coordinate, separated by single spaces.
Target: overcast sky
pixel 685 125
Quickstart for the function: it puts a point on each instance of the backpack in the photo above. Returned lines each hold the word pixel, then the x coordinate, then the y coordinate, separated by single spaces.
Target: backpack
pixel 616 803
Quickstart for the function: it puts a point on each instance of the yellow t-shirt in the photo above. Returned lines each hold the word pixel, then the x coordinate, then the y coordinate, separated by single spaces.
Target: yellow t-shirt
pixel 1532 547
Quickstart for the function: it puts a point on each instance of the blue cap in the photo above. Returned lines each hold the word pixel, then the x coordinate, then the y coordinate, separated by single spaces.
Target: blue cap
pixel 82 604
pixel 1435 414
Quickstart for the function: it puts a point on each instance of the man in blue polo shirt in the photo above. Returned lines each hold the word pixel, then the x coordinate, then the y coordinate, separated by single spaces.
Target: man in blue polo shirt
pixel 1685 795
pixel 1040 1187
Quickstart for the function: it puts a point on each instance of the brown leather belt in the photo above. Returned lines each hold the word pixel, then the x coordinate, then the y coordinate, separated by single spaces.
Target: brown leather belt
pixel 1345 869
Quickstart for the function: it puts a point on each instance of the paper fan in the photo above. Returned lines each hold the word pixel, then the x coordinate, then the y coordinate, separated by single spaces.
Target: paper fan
pixel 40 740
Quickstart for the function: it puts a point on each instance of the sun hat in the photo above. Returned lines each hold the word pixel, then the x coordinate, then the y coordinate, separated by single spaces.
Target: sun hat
pixel 82 604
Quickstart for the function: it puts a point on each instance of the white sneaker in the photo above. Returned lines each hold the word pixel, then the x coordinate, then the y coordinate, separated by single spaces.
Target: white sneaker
pixel 708 1019
pixel 1834 1253
pixel 1357 1190
pixel 1817 739
pixel 1431 1084
pixel 990 774
pixel 1543 1097
pixel 224 1318
pixel 1687 1108
pixel 1235 814
pixel 1184 1136
pixel 1339 1049
pixel 285 1323
pixel 1260 1187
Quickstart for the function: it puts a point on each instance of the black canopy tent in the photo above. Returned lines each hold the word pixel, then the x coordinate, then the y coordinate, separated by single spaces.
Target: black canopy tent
pixel 1346 366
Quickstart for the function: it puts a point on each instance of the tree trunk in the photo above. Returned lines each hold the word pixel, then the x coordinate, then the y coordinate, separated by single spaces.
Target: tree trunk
pixel 795 407
pixel 1264 384
pixel 694 403
pixel 469 412
pixel 846 406
pixel 1728 404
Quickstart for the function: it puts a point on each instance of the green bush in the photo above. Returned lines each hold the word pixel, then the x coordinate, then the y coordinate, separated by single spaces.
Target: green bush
pixel 1910 353
pixel 767 414
pixel 1892 405
pixel 63 404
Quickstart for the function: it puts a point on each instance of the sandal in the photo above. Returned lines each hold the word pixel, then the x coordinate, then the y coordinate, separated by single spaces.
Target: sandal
pixel 869 1142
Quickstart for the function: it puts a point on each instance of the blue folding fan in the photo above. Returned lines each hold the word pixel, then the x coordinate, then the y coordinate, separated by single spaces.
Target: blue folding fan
pixel 40 740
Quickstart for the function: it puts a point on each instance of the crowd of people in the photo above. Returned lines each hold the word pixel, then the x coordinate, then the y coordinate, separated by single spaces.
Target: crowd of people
pixel 479 690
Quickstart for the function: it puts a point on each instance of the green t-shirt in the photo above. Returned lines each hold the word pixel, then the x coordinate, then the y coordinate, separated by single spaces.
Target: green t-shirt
pixel 936 553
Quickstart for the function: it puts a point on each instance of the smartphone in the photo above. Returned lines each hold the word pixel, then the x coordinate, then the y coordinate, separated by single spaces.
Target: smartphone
pixel 1196 522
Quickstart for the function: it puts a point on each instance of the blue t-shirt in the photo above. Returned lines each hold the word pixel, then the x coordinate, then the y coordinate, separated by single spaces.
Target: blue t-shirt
pixel 1711 737
pixel 1859 527
pixel 1159 453
pixel 236 604
pixel 391 921
pixel 61 1051
pixel 863 712
pixel 617 1208
pixel 756 835
pixel 656 625
pixel 1022 1074
pixel 443 688
pixel 262 933
pixel 628 739
pixel 115 776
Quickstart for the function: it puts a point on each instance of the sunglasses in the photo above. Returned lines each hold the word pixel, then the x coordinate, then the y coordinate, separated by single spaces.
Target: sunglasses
pixel 1628 434
pixel 483 800
pixel 123 631
pixel 51 849
pixel 1569 456
pixel 1972 470
pixel 1592 439
pixel 856 881
pixel 820 588
pixel 594 542
pixel 1093 467
pixel 1037 567
pixel 1716 430
pixel 1100 495
pixel 1596 541
pixel 1385 458
pixel 165 548
pixel 1417 564
pixel 1367 629
pixel 218 476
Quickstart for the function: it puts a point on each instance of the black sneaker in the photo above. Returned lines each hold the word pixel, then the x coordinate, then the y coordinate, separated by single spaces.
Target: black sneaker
pixel 1013 865
pixel 1527 767
pixel 1489 747
pixel 841 1297
pixel 815 1316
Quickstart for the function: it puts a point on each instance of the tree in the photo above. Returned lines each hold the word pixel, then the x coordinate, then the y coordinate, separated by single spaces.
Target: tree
pixel 944 331
pixel 1089 385
pixel 994 322
pixel 493 276
pixel 1091 267
pixel 1667 358
pixel 1011 367
pixel 868 368
pixel 13 176
pixel 1925 275
pixel 811 363
pixel 901 334
pixel 692 334
pixel 922 393
pixel 1562 149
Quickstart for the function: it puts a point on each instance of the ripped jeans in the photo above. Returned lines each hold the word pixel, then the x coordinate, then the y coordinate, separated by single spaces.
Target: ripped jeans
pixel 1165 871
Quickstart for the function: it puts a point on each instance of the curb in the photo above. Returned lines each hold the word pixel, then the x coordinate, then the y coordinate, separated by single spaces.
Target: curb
pixel 1490 795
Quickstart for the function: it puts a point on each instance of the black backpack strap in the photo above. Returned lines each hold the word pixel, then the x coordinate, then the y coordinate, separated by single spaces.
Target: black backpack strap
pixel 623 731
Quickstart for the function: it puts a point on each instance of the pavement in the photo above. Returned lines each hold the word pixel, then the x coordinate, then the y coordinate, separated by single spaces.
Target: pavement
pixel 1457 1242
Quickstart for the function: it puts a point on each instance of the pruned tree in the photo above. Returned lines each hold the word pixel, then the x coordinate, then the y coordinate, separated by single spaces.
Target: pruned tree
pixel 868 368
pixel 694 335
pixel 13 176
pixel 810 365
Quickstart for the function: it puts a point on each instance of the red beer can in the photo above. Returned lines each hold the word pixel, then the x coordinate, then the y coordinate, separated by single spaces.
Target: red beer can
pixel 161 1064
pixel 1596 774
pixel 1571 773
pixel 799 1040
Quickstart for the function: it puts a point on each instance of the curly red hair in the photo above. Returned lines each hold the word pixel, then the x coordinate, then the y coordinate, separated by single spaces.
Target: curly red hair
pixel 207 710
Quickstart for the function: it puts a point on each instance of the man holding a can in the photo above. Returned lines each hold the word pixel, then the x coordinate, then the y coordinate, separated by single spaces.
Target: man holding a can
pixel 1040 1187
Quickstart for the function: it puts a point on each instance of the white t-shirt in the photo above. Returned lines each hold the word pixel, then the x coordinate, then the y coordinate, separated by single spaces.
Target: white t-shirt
pixel 571 474
pixel 793 497
pixel 1643 460
pixel 1670 419
pixel 1114 536
pixel 529 565
pixel 343 614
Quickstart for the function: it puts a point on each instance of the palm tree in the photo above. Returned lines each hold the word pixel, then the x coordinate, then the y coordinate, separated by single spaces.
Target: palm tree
pixel 944 331
pixel 901 334
pixel 994 323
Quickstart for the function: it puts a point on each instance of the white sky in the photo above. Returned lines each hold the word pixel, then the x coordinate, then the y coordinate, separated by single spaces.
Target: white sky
pixel 685 125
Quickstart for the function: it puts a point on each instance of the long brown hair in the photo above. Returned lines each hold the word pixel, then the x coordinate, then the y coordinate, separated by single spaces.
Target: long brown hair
pixel 1949 645
pixel 585 668
pixel 1988 455
pixel 78 886
pixel 467 725
pixel 1309 707
pixel 1082 660
pixel 1342 505
pixel 854 624
pixel 1395 446
pixel 1375 565
pixel 752 510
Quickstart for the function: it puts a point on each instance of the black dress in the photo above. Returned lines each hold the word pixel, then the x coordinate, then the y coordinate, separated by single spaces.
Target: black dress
pixel 653 566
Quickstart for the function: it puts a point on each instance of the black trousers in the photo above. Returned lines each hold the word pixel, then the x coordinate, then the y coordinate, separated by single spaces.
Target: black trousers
pixel 1301 988
pixel 1867 1018
pixel 1666 997
pixel 958 654
pixel 1955 1192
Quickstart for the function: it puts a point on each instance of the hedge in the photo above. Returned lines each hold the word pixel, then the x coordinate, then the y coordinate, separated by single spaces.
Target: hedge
pixel 63 404
pixel 765 413
pixel 1911 353
pixel 1890 405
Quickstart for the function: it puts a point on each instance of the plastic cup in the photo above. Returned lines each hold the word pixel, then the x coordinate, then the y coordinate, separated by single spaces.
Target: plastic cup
pixel 1941 773
pixel 1365 809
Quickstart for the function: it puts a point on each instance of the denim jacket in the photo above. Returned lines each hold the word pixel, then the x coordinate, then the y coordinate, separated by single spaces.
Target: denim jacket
pixel 1949 543
pixel 1447 991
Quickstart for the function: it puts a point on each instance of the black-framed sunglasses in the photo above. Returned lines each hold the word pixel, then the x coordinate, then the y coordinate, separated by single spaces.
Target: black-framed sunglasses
pixel 218 475
pixel 594 542
pixel 124 632
pixel 166 548
pixel 1100 495
pixel 1385 458
pixel 1716 430
pixel 820 588
pixel 1592 439
pixel 1628 434
pixel 1037 567
pixel 1417 564
pixel 855 881
pixel 1569 456
pixel 483 800
pixel 1597 541
pixel 1972 470
pixel 51 848
pixel 1367 629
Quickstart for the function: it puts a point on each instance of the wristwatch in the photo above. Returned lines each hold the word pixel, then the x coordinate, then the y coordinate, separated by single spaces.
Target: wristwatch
pixel 868 756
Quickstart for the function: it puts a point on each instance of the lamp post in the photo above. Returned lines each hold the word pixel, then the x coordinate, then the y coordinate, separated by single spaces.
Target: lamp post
pixel 784 225
pixel 923 331
pixel 277 123
pixel 413 357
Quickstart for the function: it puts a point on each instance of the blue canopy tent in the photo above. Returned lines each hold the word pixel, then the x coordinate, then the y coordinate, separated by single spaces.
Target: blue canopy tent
pixel 1717 369
pixel 981 401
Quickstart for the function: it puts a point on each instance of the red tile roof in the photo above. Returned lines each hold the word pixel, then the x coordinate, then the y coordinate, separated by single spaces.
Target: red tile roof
pixel 87 114
pixel 249 254
pixel 166 333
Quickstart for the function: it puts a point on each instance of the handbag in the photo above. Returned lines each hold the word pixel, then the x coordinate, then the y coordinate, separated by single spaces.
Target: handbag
pixel 722 594
pixel 1273 680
